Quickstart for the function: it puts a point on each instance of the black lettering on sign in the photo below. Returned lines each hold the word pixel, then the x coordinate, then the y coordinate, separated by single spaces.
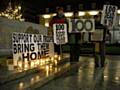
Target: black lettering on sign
pixel 14 48
pixel 88 25
pixel 25 56
pixel 81 25
pixel 59 26
pixel 33 56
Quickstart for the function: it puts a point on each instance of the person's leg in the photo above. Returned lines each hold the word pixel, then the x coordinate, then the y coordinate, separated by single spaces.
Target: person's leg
pixel 57 49
pixel 77 52
pixel 96 56
pixel 72 53
pixel 102 54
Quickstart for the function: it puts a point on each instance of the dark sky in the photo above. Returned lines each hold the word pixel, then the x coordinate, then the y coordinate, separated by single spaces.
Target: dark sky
pixel 32 8
pixel 38 6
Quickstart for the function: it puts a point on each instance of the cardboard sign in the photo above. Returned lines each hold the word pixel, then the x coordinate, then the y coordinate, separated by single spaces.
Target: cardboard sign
pixel 30 46
pixel 60 33
pixel 97 35
pixel 109 15
pixel 81 25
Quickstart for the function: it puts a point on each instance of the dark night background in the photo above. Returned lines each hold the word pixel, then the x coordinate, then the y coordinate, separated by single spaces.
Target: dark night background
pixel 32 8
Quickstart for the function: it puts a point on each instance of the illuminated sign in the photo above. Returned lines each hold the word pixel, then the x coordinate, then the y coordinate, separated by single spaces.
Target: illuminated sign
pixel 81 25
pixel 30 46
pixel 60 33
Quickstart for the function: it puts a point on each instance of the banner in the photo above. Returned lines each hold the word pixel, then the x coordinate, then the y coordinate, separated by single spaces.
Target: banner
pixel 81 25
pixel 60 33
pixel 109 16
pixel 30 47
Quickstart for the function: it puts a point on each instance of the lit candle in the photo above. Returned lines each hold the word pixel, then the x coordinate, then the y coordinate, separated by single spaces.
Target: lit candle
pixel 56 62
pixel 32 80
pixel 37 78
pixel 20 64
pixel 56 56
pixel 32 64
pixel 47 70
pixel 21 85
pixel 52 59
pixel 59 58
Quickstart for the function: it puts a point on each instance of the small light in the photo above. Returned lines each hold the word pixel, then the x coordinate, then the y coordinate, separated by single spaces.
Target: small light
pixel 105 77
pixel 117 78
pixel 81 13
pixel 59 58
pixel 56 69
pixel 20 64
pixel 36 62
pixel 52 58
pixel 54 14
pixel 56 56
pixel 56 62
pixel 47 59
pixel 47 67
pixel 16 10
pixel 47 70
pixel 46 24
pixel 46 16
pixel 32 64
pixel 21 85
pixel 50 66
pixel 6 15
pixel 41 62
pixel 19 7
pixel 93 12
pixel 26 67
pixel 32 80
pixel 118 11
pixel 37 78
pixel 69 14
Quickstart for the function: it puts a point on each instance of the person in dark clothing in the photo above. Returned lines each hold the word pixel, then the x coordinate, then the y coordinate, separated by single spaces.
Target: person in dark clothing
pixel 75 45
pixel 100 53
pixel 59 18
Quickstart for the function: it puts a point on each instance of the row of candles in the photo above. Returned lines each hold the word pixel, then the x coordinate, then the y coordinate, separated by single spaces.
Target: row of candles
pixel 47 62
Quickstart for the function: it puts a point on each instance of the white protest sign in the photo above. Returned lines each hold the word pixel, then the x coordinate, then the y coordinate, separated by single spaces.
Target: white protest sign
pixel 30 46
pixel 109 15
pixel 81 25
pixel 60 33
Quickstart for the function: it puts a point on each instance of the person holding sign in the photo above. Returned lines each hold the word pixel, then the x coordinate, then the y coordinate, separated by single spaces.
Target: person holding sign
pixel 100 44
pixel 75 45
pixel 57 23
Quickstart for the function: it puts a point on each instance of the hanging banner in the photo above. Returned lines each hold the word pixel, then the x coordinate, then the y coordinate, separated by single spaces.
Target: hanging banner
pixel 81 25
pixel 109 15
pixel 30 47
pixel 60 33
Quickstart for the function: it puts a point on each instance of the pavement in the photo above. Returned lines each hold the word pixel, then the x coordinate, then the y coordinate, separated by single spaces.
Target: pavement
pixel 86 77
pixel 71 76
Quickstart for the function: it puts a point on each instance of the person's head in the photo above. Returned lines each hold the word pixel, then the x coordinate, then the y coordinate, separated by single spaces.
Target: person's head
pixel 97 18
pixel 60 11
pixel 75 13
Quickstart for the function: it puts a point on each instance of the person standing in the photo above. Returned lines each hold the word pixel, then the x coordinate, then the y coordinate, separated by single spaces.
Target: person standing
pixel 59 18
pixel 75 45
